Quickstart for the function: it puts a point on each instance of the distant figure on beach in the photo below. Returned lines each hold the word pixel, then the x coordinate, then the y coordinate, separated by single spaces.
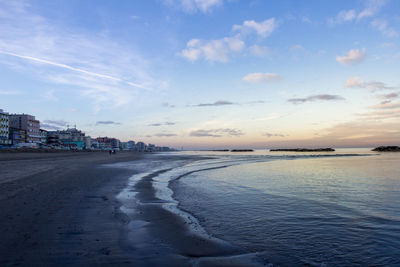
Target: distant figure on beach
pixel 109 152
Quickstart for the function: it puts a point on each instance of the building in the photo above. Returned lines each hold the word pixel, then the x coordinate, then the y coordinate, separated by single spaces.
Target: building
pixel 4 128
pixel 17 136
pixel 88 142
pixel 29 124
pixel 140 146
pixel 129 146
pixel 43 137
pixel 71 138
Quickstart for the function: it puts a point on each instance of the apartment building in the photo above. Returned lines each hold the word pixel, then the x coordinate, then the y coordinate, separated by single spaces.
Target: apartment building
pixel 4 128
pixel 29 124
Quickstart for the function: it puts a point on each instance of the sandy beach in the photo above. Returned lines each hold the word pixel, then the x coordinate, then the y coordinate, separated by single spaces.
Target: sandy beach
pixel 61 209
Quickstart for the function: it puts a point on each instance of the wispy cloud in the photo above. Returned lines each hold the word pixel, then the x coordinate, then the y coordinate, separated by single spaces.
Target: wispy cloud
pixel 165 135
pixel 259 50
pixel 273 135
pixel 191 6
pixel 215 104
pixel 262 77
pixel 382 26
pixel 370 9
pixel 352 57
pixel 50 127
pixel 167 123
pixel 357 82
pixel 56 122
pixel 107 123
pixel 391 96
pixel 312 98
pixel 10 92
pixel 93 65
pixel 167 105
pixel 53 124
pixel 216 132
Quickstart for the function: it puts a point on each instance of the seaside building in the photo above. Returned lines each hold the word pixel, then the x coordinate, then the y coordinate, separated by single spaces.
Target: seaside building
pixel 71 138
pixel 29 124
pixel 43 137
pixel 107 143
pixel 140 146
pixel 17 136
pixel 129 146
pixel 88 142
pixel 94 144
pixel 4 128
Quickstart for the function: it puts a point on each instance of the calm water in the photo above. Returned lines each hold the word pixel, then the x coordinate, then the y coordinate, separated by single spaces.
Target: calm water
pixel 296 209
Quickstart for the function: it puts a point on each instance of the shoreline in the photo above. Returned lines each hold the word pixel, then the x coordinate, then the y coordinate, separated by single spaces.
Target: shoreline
pixel 66 211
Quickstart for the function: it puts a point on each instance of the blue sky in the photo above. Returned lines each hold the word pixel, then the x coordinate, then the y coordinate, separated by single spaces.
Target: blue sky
pixel 207 73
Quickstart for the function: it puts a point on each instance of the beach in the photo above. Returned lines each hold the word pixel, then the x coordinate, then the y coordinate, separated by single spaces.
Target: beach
pixel 198 209
pixel 61 209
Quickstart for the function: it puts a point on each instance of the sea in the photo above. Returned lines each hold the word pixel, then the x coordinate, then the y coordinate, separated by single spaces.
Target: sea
pixel 337 208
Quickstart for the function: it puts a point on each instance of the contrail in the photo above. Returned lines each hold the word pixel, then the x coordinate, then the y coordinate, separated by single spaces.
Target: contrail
pixel 72 68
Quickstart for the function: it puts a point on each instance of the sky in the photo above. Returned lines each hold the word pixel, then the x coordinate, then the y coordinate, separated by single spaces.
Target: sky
pixel 200 74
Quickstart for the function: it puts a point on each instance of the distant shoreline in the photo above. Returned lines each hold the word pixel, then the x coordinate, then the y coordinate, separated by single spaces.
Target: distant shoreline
pixel 302 150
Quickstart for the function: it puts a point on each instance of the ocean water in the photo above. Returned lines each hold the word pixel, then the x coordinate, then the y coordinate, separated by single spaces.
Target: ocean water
pixel 316 209
pixel 292 209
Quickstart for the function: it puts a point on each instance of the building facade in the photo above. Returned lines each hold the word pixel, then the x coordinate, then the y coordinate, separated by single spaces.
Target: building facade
pixel 29 124
pixel 71 138
pixel 4 128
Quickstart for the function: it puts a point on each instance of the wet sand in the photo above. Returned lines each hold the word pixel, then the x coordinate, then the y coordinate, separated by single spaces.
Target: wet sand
pixel 62 209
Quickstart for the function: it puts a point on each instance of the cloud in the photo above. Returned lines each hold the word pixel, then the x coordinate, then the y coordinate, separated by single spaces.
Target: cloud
pixel 344 16
pixel 167 105
pixel 56 122
pixel 216 132
pixel 212 50
pixel 255 102
pixel 219 50
pixel 353 56
pixel 357 82
pixel 260 51
pixel 215 104
pixel 273 135
pixel 162 123
pixel 387 105
pixel 382 26
pixel 306 19
pixel 312 98
pixel 53 124
pixel 50 126
pixel 385 110
pixel 107 123
pixel 391 96
pixel 10 92
pixel 262 29
pixel 93 65
pixel 262 77
pixel 297 47
pixel 371 8
pixel 191 6
pixel 165 134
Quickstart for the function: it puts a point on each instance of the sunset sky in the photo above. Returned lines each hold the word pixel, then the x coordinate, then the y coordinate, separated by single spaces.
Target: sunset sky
pixel 207 73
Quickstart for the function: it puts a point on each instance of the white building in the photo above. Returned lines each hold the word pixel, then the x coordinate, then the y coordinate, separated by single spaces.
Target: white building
pixel 4 128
